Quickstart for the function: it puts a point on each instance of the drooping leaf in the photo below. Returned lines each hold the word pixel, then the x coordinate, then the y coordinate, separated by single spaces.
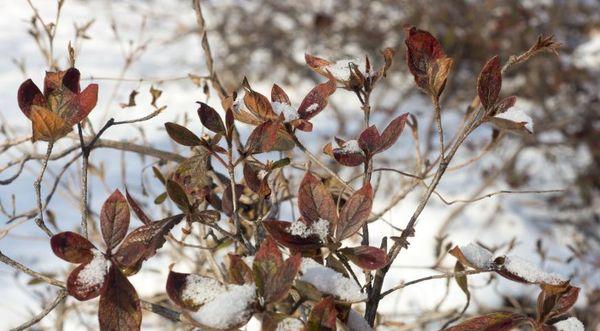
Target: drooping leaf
pixel 317 63
pixel 71 247
pixel 182 135
pixel 355 212
pixel 28 95
pixel 316 100
pixel 46 125
pixel 315 201
pixel 114 219
pixel 280 230
pixel 143 242
pixel 211 119
pixel 119 307
pixel 322 316
pixel 492 322
pixel 366 257
pixel 141 215
pixel 489 83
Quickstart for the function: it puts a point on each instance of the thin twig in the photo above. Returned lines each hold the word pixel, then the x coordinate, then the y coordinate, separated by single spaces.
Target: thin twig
pixel 37 318
pixel 37 186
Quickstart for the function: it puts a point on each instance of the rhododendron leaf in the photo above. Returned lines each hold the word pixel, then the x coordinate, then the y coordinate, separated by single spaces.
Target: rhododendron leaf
pixel 322 316
pixel 46 125
pixel 83 103
pixel 192 176
pixel 178 195
pixel 256 181
pixel 388 55
pixel 355 212
pixel 552 303
pixel 267 261
pixel 302 125
pixel 315 201
pixel 369 140
pixel 89 279
pixel 492 322
pixel 71 247
pixel 258 104
pixel 489 83
pixel 114 219
pixel 182 135
pixel 283 141
pixel 143 242
pixel 422 50
pixel 281 282
pixel 438 73
pixel 211 119
pixel 317 63
pixel 70 80
pixel 391 133
pixel 119 307
pixel 279 95
pixel 316 100
pixel 263 138
pixel 28 95
pixel 239 272
pixel 141 215
pixel 176 282
pixel 349 154
pixel 206 216
pixel 505 104
pixel 280 230
pixel 366 257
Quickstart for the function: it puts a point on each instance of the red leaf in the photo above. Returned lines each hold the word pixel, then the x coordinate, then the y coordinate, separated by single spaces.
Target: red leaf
pixel 505 104
pixel 179 283
pixel 552 303
pixel 369 140
pixel 71 247
pixel 489 83
pixel 83 103
pixel 492 322
pixel 422 50
pixel 175 284
pixel 114 219
pixel 281 282
pixel 119 307
pixel 366 257
pixel 391 133
pixel 88 280
pixel 316 63
pixel 141 215
pixel 178 195
pixel 323 315
pixel 279 95
pixel 263 138
pixel 70 80
pixel 280 232
pixel 239 272
pixel 256 181
pixel 182 135
pixel 316 99
pixel 29 94
pixel 211 119
pixel 349 154
pixel 143 242
pixel 315 201
pixel 266 263
pixel 258 104
pixel 355 212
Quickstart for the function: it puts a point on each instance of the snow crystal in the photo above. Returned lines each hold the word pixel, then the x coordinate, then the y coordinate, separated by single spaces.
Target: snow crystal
pixel 228 309
pixel 319 228
pixel 478 256
pixel 288 111
pixel 518 116
pixel 357 323
pixel 313 107
pixel 330 281
pixel 290 324
pixel 350 147
pixel 200 289
pixel 341 69
pixel 530 272
pixel 570 324
pixel 94 272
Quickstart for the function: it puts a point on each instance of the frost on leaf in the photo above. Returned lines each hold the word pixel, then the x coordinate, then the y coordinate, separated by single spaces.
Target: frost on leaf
pixel 330 281
pixel 570 324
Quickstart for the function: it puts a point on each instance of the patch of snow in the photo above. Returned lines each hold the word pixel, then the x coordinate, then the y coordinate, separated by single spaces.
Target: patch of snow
pixel 478 256
pixel 350 147
pixel 319 228
pixel 95 271
pixel 570 324
pixel 531 272
pixel 200 289
pixel 288 111
pixel 517 115
pixel 290 324
pixel 330 281
pixel 228 309
pixel 357 323
pixel 587 55
pixel 341 69
pixel 312 108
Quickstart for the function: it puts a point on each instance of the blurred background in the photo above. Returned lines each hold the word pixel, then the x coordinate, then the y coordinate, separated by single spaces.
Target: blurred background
pixel 132 45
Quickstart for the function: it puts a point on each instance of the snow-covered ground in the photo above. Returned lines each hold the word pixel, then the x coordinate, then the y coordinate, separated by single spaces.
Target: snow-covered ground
pixel 491 221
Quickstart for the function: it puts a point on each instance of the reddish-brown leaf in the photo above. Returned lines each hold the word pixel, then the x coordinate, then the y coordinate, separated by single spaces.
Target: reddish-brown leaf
pixel 504 105
pixel 256 181
pixel 438 74
pixel 178 195
pixel 192 176
pixel 315 201
pixel 355 212
pixel 391 133
pixel 281 282
pixel 422 50
pixel 489 82
pixel 141 215
pixel 89 279
pixel 279 95
pixel 143 242
pixel 555 303
pixel 369 140
pixel 267 261
pixel 322 316
pixel 492 322
pixel 71 247
pixel 258 104
pixel 175 284
pixel 366 257
pixel 114 219
pixel 182 135
pixel 347 154
pixel 316 63
pixel 211 119
pixel 46 125
pixel 281 233
pixel 263 137
pixel 70 80
pixel 29 94
pixel 119 307
pixel 316 99
pixel 83 103
pixel 239 272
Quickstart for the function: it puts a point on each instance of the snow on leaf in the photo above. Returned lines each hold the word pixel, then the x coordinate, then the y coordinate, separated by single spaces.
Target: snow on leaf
pixel 330 281
pixel 319 228
pixel 516 266
pixel 229 309
pixel 570 324
pixel 88 279
pixel 289 324
pixel 477 256
pixel 289 112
